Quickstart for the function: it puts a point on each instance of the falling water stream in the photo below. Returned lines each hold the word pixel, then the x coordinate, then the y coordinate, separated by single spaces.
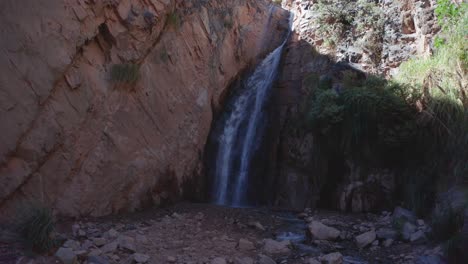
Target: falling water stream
pixel 241 133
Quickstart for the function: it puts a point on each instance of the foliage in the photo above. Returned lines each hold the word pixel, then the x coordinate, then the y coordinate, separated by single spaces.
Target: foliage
pixel 228 22
pixel 35 226
pixel 173 19
pixel 376 123
pixel 447 12
pixel 340 19
pixel 125 73
pixel 277 2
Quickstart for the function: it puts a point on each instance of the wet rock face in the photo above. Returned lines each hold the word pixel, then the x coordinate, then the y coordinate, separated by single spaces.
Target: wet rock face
pixel 86 142
pixel 409 27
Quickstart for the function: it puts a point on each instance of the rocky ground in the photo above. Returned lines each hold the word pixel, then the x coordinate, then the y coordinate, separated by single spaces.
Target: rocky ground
pixel 200 233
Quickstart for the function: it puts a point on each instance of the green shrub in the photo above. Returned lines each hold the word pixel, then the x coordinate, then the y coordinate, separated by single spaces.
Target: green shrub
pixel 125 73
pixel 338 20
pixel 173 20
pixel 447 11
pixel 228 22
pixel 35 226
pixel 277 2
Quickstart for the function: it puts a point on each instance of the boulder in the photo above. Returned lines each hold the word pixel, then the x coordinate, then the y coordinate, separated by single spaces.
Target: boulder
pixel 323 232
pixel 332 258
pixel 365 239
pixel 271 246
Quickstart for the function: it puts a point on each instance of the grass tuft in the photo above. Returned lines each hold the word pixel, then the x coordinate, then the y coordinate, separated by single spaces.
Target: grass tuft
pixel 34 224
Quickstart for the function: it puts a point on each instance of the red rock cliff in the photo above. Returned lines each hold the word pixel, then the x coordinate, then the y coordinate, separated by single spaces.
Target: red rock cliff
pixel 84 145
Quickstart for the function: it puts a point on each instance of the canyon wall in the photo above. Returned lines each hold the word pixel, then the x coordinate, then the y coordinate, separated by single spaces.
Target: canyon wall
pixel 76 139
pixel 302 179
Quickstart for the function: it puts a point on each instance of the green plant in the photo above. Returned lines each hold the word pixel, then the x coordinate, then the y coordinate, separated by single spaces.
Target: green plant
pixel 125 73
pixel 338 20
pixel 438 42
pixel 447 11
pixel 277 2
pixel 173 19
pixel 164 56
pixel 34 223
pixel 228 23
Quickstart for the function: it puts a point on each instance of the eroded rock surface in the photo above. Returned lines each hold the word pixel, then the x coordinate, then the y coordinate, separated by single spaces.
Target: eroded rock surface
pixel 82 143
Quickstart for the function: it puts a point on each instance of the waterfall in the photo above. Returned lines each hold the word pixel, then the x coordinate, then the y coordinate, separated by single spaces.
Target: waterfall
pixel 241 133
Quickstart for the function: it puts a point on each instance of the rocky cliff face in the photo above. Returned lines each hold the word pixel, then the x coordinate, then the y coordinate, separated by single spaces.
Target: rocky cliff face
pixel 77 140
pixel 304 180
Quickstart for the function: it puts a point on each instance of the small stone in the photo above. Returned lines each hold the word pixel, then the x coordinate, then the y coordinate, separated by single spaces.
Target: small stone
pixel 403 215
pixel 66 255
pixel 375 243
pixel 407 230
pixel 417 236
pixel 274 247
pixel 95 252
pixel 256 225
pixel 75 229
pixel 80 253
pixel 99 241
pixel 245 260
pixel 420 222
pixel 75 245
pixel 262 259
pixel 332 258
pixel 81 233
pixel 126 242
pixel 312 261
pixel 388 242
pixel 141 239
pixel 111 247
pixel 171 259
pixel 141 258
pixel 365 239
pixel 323 232
pixel 199 216
pixel 86 244
pixel 386 233
pixel 245 244
pixel 218 260
pixel 112 233
pixel 97 260
pixel 177 216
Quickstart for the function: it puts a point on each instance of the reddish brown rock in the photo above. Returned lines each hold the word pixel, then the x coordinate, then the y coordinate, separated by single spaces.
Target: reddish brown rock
pixel 85 145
